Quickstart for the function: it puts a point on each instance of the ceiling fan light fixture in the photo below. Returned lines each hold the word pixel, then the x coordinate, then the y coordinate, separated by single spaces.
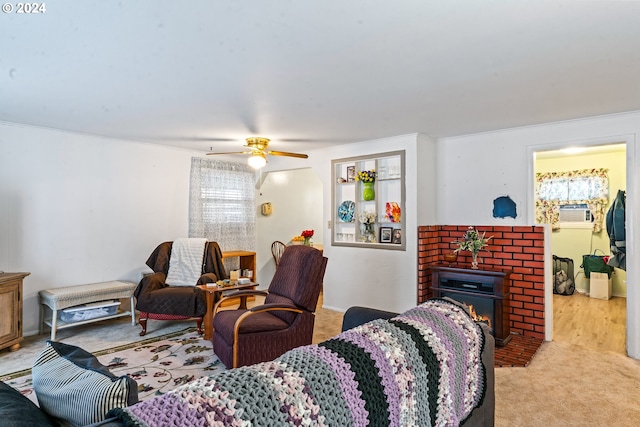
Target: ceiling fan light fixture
pixel 257 160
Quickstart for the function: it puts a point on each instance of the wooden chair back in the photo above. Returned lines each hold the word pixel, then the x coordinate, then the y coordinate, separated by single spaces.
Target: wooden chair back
pixel 277 249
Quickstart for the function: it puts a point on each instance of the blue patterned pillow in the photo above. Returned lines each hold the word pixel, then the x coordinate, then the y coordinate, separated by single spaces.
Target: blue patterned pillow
pixel 72 385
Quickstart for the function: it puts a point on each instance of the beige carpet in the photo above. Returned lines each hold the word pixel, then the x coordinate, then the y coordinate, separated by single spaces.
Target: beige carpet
pixel 564 385
pixel 569 385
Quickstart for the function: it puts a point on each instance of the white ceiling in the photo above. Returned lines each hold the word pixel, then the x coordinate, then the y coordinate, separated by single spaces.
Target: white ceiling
pixel 317 73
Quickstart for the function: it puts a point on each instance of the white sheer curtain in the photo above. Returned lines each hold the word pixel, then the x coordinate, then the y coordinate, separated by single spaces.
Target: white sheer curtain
pixel 222 203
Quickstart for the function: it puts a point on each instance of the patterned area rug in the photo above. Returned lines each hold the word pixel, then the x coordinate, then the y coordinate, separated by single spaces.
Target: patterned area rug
pixel 157 364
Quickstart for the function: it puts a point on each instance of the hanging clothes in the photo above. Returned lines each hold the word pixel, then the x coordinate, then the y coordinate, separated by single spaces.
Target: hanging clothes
pixel 617 232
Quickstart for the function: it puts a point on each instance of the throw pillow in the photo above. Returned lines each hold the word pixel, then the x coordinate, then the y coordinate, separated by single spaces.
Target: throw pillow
pixel 72 385
pixel 18 411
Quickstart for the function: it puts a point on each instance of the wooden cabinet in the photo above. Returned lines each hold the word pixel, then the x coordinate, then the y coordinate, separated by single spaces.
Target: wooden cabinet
pixel 369 214
pixel 11 310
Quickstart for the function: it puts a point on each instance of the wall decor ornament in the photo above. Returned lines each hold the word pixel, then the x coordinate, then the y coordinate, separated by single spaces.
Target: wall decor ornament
pixel 397 236
pixel 368 192
pixel 368 220
pixel 385 234
pixel 393 212
pixel 367 178
pixel 351 173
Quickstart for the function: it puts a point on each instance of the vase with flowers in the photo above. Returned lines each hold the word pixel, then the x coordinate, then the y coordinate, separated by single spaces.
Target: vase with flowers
pixel 307 234
pixel 474 242
pixel 368 221
pixel 367 178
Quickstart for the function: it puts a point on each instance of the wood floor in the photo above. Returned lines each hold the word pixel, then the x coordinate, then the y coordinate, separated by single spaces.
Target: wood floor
pixel 590 322
pixel 578 319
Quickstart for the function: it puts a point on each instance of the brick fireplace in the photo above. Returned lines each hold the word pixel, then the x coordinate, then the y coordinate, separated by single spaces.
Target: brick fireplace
pixel 521 249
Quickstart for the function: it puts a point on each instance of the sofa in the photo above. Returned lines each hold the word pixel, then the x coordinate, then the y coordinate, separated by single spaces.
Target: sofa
pixel 431 365
pixel 482 416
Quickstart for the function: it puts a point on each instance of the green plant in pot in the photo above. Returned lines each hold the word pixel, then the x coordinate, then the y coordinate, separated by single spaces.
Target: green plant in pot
pixel 474 242
pixel 367 178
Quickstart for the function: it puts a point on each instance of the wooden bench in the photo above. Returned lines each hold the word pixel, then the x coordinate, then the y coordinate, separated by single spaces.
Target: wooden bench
pixel 69 296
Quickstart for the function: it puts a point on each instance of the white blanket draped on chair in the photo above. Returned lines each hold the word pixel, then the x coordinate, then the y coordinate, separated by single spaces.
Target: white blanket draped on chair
pixel 185 264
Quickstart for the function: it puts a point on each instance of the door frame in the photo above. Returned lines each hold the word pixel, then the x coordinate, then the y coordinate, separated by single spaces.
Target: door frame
pixel 633 295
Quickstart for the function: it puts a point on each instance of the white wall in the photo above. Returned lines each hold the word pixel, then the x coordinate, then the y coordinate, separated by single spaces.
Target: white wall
pixel 475 169
pixel 296 197
pixel 78 209
pixel 426 180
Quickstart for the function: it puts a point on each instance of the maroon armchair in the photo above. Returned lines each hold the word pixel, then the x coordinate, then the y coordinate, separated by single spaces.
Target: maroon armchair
pixel 157 300
pixel 285 320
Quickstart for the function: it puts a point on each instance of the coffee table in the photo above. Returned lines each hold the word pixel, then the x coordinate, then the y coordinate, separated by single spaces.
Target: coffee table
pixel 213 295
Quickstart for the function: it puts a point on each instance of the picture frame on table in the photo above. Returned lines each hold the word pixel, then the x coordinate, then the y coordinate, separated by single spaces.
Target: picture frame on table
pixel 351 173
pixel 386 234
pixel 397 236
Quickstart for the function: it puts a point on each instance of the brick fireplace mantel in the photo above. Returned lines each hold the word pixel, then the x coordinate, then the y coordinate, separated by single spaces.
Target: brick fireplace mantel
pixel 520 248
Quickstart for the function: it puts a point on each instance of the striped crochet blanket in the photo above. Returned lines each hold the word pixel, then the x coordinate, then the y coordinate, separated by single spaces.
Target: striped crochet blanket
pixel 421 368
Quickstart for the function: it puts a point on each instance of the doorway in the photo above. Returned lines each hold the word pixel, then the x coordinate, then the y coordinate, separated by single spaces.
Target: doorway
pixel 296 199
pixel 598 323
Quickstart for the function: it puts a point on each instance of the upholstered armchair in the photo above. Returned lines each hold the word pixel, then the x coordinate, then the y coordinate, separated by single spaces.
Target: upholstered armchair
pixel 178 298
pixel 285 320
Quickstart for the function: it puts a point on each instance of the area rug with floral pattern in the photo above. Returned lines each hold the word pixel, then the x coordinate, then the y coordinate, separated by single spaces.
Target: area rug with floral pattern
pixel 157 364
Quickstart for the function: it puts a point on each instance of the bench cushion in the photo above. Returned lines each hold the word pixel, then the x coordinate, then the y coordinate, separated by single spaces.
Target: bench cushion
pixel 68 296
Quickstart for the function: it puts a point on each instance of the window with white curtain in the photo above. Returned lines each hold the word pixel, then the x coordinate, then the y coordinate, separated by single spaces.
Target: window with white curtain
pixel 222 203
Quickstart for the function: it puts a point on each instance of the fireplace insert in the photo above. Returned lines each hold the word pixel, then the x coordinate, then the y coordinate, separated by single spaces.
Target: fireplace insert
pixel 484 291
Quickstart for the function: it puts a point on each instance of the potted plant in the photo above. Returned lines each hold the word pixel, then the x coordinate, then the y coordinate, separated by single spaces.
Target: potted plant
pixel 474 242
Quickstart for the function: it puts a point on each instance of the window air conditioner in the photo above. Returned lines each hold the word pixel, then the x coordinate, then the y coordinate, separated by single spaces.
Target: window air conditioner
pixel 578 213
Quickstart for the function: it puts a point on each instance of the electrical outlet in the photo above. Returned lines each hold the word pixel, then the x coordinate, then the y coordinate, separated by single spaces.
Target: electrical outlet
pixel 329 224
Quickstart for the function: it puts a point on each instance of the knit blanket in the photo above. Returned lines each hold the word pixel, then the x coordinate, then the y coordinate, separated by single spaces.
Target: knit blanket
pixel 185 264
pixel 421 368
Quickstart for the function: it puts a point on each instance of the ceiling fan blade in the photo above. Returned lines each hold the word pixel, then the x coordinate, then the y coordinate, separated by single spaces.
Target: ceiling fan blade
pixel 233 152
pixel 284 153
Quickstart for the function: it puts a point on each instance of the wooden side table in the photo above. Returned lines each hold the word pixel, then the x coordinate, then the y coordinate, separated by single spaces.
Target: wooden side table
pixel 247 261
pixel 213 294
pixel 11 310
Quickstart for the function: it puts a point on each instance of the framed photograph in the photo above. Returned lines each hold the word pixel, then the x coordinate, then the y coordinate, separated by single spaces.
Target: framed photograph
pixel 385 234
pixel 397 236
pixel 351 173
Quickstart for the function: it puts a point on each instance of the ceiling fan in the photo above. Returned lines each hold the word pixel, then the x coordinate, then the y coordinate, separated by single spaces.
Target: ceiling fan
pixel 257 148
